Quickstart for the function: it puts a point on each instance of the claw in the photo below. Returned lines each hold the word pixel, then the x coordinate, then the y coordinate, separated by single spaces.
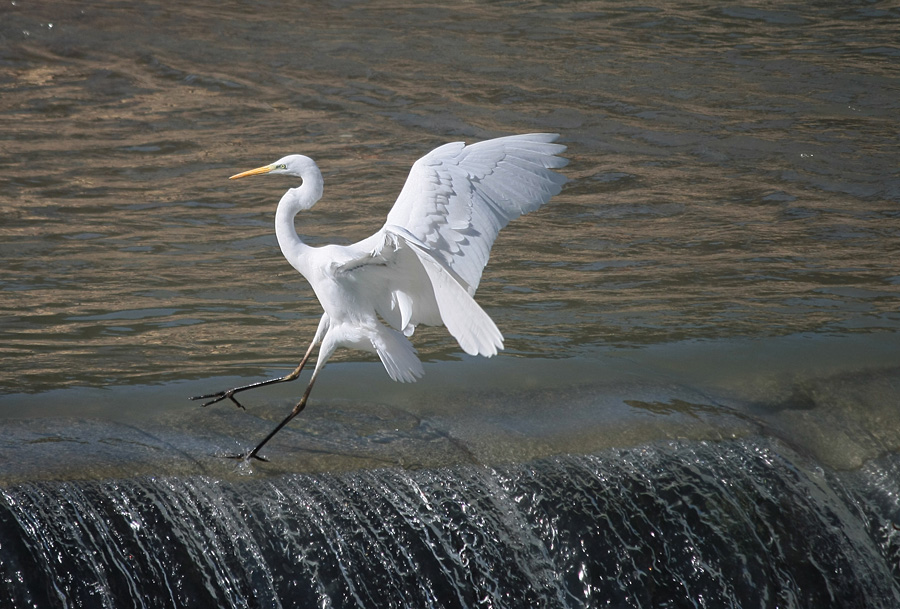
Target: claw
pixel 218 397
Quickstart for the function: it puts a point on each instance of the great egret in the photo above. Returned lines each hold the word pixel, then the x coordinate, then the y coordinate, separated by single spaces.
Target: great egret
pixel 425 263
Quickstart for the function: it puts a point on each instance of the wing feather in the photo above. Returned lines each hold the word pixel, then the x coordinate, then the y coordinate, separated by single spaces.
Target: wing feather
pixel 425 264
pixel 408 285
pixel 457 198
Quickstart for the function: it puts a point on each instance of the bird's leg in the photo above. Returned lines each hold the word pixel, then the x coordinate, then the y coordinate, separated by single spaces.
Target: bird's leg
pixel 254 454
pixel 229 393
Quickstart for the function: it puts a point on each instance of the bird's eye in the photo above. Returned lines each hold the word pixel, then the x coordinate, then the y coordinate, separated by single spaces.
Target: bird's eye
pixel 282 166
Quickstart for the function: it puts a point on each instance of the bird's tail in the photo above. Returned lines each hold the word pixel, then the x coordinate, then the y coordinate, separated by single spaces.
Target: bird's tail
pixel 398 355
pixel 472 328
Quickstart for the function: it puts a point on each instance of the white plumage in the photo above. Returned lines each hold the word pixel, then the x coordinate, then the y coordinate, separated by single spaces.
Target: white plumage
pixel 458 197
pixel 425 263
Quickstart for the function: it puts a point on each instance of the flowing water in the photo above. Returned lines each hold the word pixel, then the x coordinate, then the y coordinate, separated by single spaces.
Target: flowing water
pixel 697 405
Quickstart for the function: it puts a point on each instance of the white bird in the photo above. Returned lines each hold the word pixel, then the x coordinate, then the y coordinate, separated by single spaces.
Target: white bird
pixel 424 265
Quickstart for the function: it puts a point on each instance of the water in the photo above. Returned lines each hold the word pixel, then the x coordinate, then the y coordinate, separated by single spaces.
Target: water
pixel 731 524
pixel 719 279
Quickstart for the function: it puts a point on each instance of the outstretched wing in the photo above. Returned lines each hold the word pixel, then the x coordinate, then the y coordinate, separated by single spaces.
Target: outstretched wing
pixel 424 265
pixel 457 197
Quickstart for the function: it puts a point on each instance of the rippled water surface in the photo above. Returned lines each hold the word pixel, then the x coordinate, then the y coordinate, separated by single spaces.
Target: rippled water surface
pixel 735 172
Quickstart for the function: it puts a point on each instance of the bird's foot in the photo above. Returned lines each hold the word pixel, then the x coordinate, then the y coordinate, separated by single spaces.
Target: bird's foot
pixel 218 397
pixel 246 457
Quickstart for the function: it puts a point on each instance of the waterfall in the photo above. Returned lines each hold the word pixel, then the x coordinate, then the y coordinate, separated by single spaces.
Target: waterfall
pixel 734 523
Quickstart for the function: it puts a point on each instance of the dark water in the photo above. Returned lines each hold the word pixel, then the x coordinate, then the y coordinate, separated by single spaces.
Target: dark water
pixel 697 406
pixel 731 524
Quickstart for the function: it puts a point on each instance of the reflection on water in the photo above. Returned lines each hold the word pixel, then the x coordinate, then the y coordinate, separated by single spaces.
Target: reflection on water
pixel 735 173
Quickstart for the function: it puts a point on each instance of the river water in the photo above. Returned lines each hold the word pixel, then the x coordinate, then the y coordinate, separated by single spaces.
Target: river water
pixel 697 404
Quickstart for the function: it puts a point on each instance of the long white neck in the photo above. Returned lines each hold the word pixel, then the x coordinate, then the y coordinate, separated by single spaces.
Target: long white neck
pixel 293 202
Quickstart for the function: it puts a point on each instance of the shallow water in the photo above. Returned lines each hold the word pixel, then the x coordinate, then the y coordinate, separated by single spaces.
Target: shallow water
pixel 723 266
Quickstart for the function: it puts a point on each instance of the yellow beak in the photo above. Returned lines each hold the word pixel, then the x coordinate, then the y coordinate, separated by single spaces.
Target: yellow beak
pixel 253 172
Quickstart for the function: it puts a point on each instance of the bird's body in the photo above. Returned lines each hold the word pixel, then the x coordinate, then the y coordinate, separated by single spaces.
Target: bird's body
pixel 424 265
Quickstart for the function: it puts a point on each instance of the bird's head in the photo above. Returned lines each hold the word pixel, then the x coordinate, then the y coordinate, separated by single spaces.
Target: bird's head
pixel 292 165
pixel 303 167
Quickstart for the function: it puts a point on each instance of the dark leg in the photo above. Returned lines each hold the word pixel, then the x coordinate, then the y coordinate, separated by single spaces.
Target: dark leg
pixel 253 454
pixel 229 393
